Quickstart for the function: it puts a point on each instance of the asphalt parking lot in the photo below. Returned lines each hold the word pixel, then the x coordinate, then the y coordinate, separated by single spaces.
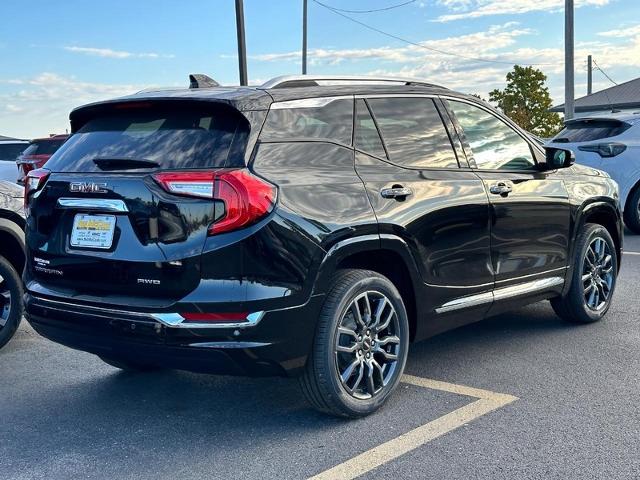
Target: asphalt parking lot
pixel 65 414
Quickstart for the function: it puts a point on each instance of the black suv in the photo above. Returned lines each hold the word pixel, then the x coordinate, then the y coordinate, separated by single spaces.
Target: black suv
pixel 306 227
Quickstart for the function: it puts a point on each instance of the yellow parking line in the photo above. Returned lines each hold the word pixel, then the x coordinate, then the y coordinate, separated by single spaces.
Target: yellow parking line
pixel 373 458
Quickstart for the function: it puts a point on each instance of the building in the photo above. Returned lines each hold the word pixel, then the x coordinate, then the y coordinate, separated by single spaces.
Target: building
pixel 623 98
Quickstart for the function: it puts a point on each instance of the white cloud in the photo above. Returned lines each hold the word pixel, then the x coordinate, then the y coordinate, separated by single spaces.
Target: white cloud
pixel 482 8
pixel 483 44
pixel 40 105
pixel 109 53
pixel 623 32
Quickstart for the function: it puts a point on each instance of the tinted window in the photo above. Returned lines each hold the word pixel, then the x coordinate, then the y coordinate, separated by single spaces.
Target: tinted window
pixel 367 137
pixel 413 132
pixel 588 130
pixel 173 138
pixel 45 147
pixel 10 151
pixel 494 144
pixel 313 118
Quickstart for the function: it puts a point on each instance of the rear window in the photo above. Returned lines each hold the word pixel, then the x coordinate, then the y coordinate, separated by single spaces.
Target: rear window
pixel 10 151
pixel 327 118
pixel 170 137
pixel 589 130
pixel 44 147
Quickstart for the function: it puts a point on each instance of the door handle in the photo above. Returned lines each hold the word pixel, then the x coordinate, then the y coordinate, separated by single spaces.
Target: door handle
pixel 397 191
pixel 501 188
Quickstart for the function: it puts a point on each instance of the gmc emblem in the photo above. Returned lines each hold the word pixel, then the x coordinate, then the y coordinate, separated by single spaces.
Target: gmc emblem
pixel 87 187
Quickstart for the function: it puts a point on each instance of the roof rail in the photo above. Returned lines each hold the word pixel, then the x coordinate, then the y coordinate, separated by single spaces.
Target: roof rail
pixel 289 81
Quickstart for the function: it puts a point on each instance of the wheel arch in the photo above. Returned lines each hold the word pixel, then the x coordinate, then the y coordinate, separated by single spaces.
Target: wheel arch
pixel 12 243
pixel 388 255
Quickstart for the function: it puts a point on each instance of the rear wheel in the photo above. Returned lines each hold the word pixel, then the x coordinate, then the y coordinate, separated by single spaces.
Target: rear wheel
pixel 594 277
pixel 360 348
pixel 128 366
pixel 632 212
pixel 10 301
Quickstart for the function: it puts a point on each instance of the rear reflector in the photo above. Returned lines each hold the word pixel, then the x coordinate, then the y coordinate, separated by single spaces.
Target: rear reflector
pixel 246 198
pixel 215 317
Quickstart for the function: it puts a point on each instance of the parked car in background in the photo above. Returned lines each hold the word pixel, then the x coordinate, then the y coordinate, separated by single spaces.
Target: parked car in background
pixel 609 142
pixel 304 228
pixel 11 258
pixel 10 149
pixel 37 154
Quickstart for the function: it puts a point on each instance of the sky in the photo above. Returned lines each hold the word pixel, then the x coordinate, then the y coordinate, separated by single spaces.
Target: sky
pixel 55 56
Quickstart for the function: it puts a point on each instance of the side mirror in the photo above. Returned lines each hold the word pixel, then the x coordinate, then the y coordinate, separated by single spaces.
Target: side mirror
pixel 559 158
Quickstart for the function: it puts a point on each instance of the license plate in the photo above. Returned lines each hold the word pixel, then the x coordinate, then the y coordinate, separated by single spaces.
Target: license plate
pixel 93 231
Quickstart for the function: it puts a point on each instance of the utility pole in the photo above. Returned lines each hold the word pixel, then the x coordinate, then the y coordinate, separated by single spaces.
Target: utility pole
pixel 589 75
pixel 242 46
pixel 304 37
pixel 569 94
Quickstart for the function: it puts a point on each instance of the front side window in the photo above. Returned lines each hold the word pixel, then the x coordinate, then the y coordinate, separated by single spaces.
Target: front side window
pixel 326 118
pixel 494 144
pixel 413 132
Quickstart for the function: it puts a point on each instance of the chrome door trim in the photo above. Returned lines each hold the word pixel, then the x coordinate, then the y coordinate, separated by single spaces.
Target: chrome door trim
pixel 97 204
pixel 501 294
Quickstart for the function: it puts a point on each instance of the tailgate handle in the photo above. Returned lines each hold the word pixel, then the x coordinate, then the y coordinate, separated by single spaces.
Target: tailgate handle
pixel 97 204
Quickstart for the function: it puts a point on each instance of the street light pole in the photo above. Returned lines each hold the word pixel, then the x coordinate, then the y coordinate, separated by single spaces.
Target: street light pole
pixel 304 37
pixel 242 46
pixel 589 75
pixel 569 94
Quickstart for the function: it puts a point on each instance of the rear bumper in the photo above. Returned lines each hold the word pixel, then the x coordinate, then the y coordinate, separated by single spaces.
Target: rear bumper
pixel 278 344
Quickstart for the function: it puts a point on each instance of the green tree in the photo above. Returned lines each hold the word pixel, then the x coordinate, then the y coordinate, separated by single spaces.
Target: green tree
pixel 526 101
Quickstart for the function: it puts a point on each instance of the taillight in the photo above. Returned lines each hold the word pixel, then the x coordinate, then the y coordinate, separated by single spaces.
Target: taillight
pixel 35 181
pixel 605 150
pixel 246 198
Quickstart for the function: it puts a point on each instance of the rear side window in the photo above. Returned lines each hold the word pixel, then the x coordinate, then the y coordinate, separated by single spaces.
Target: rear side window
pixel 327 118
pixel 367 137
pixel 588 130
pixel 494 144
pixel 176 137
pixel 10 151
pixel 413 132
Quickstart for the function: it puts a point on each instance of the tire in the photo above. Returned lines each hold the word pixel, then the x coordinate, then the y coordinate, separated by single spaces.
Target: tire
pixel 128 366
pixel 374 375
pixel 11 308
pixel 632 212
pixel 592 288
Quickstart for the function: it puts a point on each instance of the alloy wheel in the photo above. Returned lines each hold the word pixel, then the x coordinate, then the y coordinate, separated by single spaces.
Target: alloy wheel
pixel 597 274
pixel 367 345
pixel 5 301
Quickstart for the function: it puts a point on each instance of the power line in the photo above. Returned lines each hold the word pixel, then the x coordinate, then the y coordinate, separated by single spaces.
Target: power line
pixel 409 42
pixel 372 11
pixel 598 67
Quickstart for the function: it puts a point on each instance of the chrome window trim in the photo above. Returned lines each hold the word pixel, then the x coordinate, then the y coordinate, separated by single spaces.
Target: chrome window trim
pixel 98 204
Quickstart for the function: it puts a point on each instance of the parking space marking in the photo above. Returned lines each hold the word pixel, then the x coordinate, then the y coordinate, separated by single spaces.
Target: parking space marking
pixel 365 462
pixel 630 253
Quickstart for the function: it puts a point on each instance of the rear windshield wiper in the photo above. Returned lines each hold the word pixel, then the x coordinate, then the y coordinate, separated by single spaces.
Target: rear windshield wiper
pixel 123 163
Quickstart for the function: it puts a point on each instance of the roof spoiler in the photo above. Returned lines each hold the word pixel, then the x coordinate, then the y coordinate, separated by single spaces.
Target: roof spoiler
pixel 200 80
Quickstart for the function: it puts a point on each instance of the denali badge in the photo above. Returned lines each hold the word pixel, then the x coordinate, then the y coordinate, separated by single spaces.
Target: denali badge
pixel 149 281
pixel 87 187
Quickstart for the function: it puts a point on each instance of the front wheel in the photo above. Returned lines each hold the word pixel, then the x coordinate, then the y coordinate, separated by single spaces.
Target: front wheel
pixel 10 301
pixel 360 348
pixel 595 270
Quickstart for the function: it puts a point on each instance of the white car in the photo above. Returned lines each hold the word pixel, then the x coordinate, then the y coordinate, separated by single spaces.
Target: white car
pixel 9 152
pixel 609 142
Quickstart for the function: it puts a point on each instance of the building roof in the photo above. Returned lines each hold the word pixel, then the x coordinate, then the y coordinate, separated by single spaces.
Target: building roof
pixel 625 95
